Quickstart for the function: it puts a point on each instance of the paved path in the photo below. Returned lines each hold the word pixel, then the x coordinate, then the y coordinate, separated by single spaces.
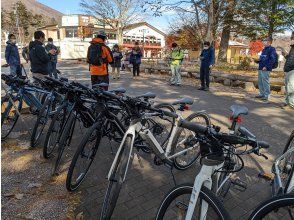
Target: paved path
pixel 146 183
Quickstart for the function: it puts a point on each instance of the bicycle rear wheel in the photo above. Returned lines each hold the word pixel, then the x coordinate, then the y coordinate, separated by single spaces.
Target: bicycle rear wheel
pixel 185 138
pixel 54 132
pixel 277 208
pixel 176 202
pixel 41 122
pixel 64 141
pixel 116 180
pixel 9 115
pixel 83 157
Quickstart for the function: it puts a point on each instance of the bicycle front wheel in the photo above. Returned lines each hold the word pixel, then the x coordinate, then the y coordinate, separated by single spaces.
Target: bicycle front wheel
pixel 9 115
pixel 83 157
pixel 185 138
pixel 279 207
pixel 176 203
pixel 116 180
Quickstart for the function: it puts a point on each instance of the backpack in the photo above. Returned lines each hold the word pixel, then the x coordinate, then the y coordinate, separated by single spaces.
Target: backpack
pixel 95 55
pixel 276 63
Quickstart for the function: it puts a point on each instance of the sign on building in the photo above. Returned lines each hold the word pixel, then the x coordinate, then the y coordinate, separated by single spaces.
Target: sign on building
pixel 70 20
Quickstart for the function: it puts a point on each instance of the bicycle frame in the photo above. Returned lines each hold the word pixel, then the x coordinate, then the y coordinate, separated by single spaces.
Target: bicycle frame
pixel 137 127
pixel 278 187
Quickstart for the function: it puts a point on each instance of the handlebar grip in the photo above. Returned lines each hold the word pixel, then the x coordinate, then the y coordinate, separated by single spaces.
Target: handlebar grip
pixel 110 95
pixel 263 144
pixel 54 80
pixel 80 85
pixel 169 114
pixel 193 126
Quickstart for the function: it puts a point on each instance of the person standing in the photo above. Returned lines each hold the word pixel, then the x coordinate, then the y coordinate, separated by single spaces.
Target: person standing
pixel 176 57
pixel 12 56
pixel 53 58
pixel 207 58
pixel 116 65
pixel 266 62
pixel 289 74
pixel 135 59
pixel 98 57
pixel 39 56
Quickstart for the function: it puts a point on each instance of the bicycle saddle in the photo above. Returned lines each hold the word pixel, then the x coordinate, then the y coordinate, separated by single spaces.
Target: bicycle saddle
pixel 118 90
pixel 184 101
pixel 99 85
pixel 238 110
pixel 148 95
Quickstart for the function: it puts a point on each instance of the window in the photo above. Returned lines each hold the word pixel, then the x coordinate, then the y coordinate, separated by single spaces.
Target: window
pixel 71 32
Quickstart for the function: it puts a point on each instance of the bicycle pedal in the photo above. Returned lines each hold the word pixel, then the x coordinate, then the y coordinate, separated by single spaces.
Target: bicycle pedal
pixel 266 176
pixel 240 185
pixel 181 205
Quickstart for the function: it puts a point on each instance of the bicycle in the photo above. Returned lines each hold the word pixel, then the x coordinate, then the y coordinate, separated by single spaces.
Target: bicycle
pixel 183 201
pixel 163 155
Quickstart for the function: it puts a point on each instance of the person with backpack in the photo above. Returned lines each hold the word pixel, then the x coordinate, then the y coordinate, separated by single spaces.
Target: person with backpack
pixel 176 56
pixel 135 59
pixel 116 65
pixel 268 60
pixel 207 58
pixel 98 57
pixel 12 56
pixel 39 56
pixel 53 58
pixel 289 74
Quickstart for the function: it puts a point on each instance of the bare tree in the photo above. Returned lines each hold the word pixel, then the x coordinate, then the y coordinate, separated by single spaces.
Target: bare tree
pixel 118 14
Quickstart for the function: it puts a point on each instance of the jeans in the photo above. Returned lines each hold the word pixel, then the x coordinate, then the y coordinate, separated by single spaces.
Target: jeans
pixel 52 70
pixel 289 86
pixel 204 76
pixel 15 70
pixel 175 74
pixel 115 72
pixel 136 69
pixel 264 83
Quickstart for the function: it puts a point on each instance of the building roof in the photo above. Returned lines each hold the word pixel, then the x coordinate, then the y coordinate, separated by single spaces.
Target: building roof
pixel 132 26
pixel 237 44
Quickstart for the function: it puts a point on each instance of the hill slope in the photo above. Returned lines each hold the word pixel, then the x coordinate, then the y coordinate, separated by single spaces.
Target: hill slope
pixel 34 6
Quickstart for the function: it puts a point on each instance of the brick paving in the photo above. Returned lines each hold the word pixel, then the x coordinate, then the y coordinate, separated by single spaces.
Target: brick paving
pixel 146 183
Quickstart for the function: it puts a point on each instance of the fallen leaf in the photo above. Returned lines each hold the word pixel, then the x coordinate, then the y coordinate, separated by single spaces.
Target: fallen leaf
pixel 34 185
pixel 80 216
pixel 18 196
pixel 8 194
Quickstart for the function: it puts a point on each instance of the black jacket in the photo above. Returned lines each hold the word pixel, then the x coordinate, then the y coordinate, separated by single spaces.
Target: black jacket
pixel 53 58
pixel 39 58
pixel 289 65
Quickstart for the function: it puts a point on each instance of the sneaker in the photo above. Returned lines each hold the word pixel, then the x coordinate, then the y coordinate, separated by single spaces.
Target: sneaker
pixel 206 89
pixel 264 99
pixel 171 84
pixel 201 88
pixel 113 78
pixel 259 96
pixel 178 84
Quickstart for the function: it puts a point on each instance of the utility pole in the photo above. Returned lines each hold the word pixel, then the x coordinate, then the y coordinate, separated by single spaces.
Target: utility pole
pixel 17 23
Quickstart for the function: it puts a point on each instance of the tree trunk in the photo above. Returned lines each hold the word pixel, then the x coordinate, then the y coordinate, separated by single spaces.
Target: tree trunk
pixel 210 22
pixel 119 36
pixel 224 44
pixel 272 19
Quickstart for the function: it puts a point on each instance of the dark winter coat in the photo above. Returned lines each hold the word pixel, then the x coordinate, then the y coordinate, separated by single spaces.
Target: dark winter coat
pixel 289 65
pixel 267 58
pixel 53 58
pixel 11 54
pixel 39 58
pixel 117 56
pixel 208 57
pixel 135 57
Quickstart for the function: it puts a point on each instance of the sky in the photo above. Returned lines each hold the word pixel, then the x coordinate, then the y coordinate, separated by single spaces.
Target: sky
pixel 73 7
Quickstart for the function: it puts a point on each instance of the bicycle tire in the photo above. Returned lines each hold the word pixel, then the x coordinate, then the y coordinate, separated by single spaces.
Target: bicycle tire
pixel 67 130
pixel 116 180
pixel 289 143
pixel 272 205
pixel 47 151
pixel 188 164
pixel 5 115
pixel 40 123
pixel 80 153
pixel 205 194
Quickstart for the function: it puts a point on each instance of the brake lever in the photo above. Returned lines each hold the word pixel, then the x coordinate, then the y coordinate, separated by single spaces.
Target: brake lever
pixel 264 156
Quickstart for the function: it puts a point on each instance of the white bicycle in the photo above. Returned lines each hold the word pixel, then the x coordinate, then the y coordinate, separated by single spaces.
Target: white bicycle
pixel 177 148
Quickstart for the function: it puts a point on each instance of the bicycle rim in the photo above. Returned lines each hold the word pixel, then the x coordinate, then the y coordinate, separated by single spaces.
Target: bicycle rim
pixel 116 181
